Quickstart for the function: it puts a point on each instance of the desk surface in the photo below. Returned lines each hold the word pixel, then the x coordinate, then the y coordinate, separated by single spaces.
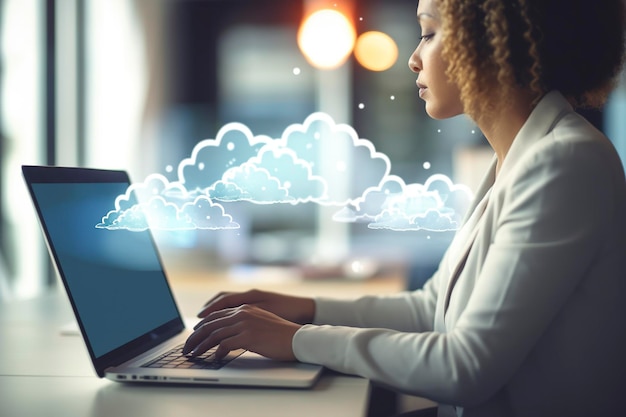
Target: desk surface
pixel 46 372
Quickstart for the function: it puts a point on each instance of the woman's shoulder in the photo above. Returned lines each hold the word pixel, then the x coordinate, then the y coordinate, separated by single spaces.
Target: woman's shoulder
pixel 574 143
pixel 571 158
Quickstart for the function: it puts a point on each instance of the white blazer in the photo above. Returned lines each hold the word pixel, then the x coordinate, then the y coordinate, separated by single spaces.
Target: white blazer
pixel 526 315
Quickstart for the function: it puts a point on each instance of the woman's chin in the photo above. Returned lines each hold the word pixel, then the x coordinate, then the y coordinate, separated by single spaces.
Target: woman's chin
pixel 440 113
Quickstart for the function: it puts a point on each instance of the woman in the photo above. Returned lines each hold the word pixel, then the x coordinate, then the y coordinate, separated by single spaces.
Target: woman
pixel 526 313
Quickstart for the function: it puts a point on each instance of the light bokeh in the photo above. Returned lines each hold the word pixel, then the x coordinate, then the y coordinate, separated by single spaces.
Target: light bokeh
pixel 326 38
pixel 376 51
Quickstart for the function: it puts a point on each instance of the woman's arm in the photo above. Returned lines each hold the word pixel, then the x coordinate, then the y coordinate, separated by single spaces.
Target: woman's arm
pixel 405 311
pixel 559 205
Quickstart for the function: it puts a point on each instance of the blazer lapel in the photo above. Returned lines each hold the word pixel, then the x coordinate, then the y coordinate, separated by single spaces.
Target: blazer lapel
pixel 544 117
pixel 540 123
pixel 475 211
pixel 464 253
pixel 485 185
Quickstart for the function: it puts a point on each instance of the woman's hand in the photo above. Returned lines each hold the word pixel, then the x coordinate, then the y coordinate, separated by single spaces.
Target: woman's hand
pixel 259 321
pixel 296 309
pixel 243 327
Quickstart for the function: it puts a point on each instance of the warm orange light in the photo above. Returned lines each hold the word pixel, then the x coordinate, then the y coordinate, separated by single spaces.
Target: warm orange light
pixel 376 51
pixel 326 38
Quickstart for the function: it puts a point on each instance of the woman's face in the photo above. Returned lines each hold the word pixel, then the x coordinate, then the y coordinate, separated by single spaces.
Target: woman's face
pixel 442 97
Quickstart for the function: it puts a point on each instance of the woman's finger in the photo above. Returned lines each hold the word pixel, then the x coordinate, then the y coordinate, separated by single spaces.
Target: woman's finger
pixel 228 300
pixel 216 296
pixel 219 302
pixel 214 315
pixel 248 327
pixel 204 331
pixel 216 337
pixel 238 340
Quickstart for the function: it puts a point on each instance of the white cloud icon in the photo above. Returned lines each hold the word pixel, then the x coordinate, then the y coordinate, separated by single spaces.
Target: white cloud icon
pixel 317 161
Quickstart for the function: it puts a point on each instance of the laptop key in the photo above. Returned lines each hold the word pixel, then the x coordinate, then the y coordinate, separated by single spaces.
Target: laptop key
pixel 175 359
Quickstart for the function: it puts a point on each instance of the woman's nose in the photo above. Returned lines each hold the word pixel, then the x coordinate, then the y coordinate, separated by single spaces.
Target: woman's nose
pixel 415 64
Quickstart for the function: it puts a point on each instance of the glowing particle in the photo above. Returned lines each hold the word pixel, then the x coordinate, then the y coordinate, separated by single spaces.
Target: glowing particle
pixel 438 130
pixel 361 106
pixel 426 165
pixel 287 184
pixel 392 98
pixel 473 132
pixel 169 168
pixel 428 237
pixel 296 71
pixel 230 146
pixel 201 166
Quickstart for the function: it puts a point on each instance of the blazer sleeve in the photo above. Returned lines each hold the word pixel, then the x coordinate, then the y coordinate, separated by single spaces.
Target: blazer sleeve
pixel 407 311
pixel 556 205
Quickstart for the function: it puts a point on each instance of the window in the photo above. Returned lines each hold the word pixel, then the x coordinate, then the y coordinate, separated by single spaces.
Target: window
pixel 137 84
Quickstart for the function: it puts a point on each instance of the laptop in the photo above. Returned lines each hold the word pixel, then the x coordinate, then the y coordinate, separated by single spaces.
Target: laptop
pixel 120 294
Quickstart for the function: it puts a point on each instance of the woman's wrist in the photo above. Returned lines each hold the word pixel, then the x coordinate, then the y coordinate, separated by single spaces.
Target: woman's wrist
pixel 307 310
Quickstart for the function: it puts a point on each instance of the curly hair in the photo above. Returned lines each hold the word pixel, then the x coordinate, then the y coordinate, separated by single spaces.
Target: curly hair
pixel 572 46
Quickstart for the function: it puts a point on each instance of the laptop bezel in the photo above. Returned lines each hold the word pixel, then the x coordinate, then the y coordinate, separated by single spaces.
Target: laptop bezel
pixel 55 174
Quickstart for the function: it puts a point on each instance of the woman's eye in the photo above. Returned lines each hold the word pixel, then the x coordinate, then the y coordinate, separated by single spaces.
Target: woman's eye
pixel 426 37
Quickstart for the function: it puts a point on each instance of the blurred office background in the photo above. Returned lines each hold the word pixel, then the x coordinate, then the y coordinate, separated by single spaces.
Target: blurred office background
pixel 135 84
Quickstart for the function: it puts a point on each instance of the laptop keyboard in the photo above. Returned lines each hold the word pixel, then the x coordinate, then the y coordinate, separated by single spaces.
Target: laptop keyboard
pixel 175 359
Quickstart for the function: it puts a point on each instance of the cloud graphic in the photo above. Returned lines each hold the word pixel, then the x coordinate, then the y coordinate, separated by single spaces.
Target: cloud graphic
pixel 210 158
pixel 202 213
pixel 253 184
pixel 293 174
pixel 454 196
pixel 154 185
pixel 373 201
pixel 432 220
pixel 158 214
pixel 317 161
pixel 348 164
pixel 225 191
pixel 136 217
pixel 436 205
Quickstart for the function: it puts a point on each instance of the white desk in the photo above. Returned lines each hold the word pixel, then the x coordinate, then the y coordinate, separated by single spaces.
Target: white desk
pixel 45 373
pixel 24 396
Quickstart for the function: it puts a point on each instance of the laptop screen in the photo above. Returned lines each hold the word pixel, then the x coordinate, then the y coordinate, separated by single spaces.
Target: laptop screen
pixel 114 277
